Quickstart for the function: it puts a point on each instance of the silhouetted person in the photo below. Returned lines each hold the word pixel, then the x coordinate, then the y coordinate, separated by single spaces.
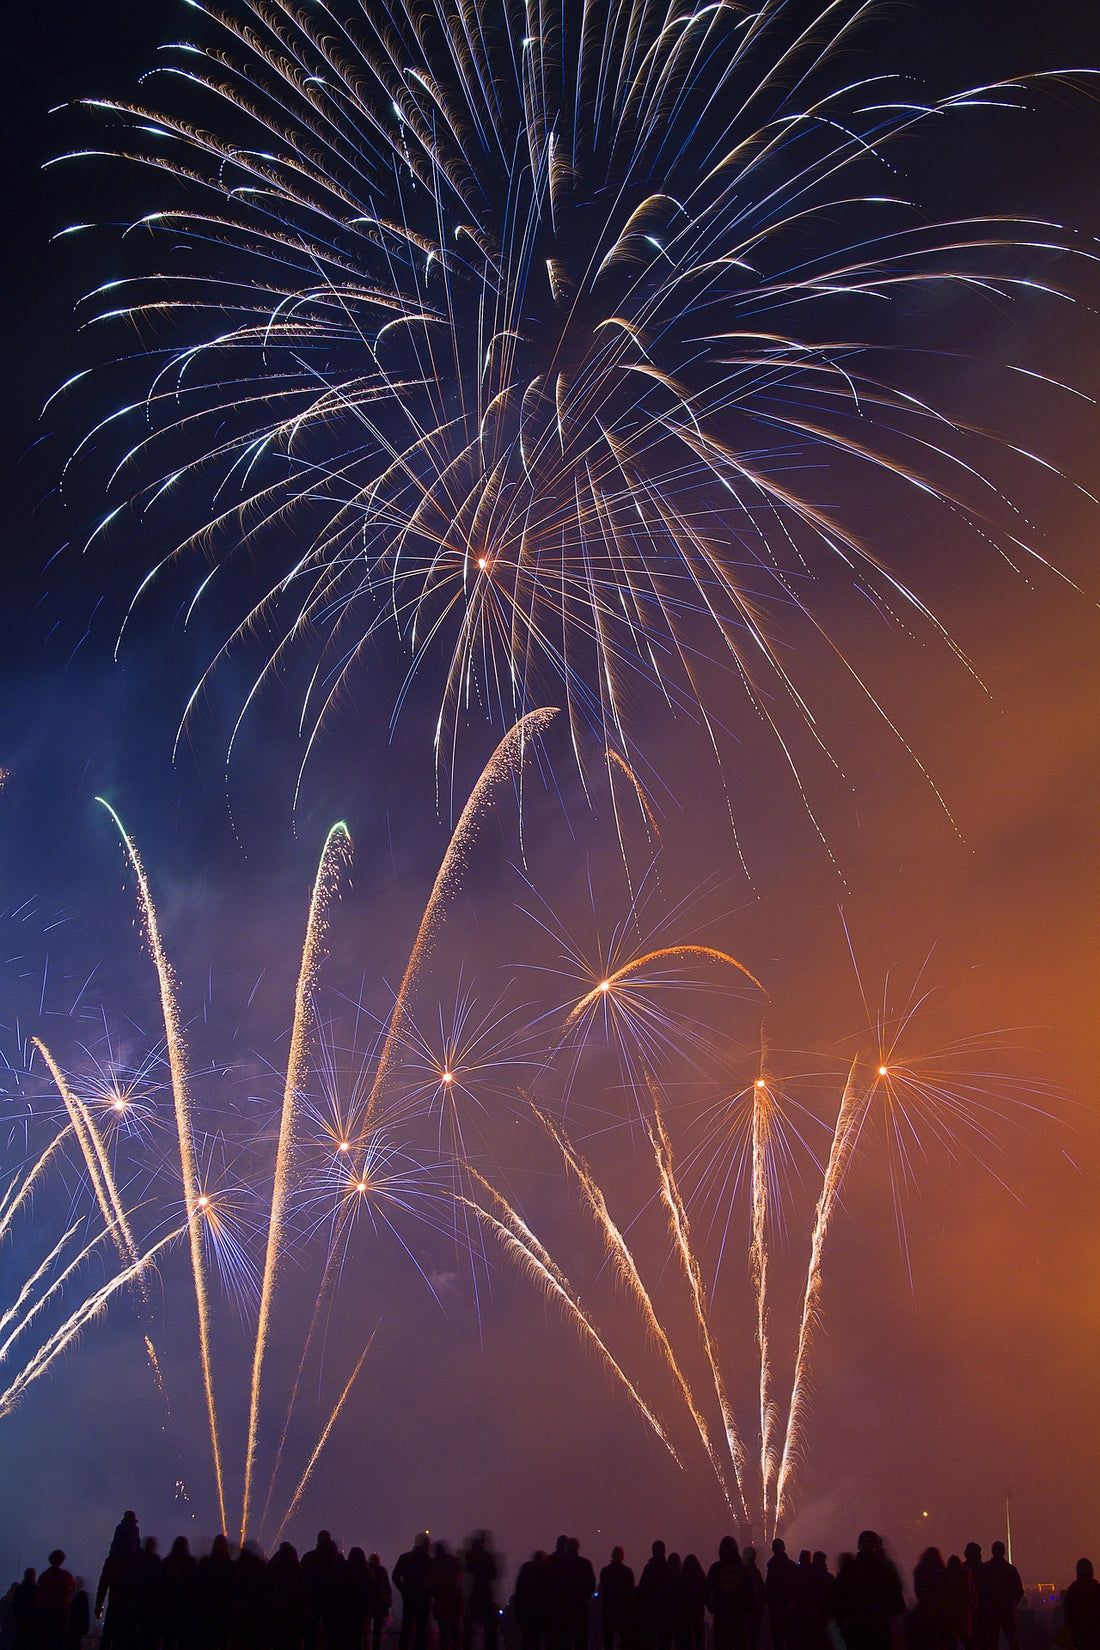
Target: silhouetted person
pixel 757 1595
pixel 655 1601
pixel 1003 1593
pixel 80 1615
pixel 445 1588
pixel 616 1590
pixel 482 1571
pixel 383 1600
pixel 116 1594
pixel 214 1589
pixel 55 1592
pixel 410 1577
pixel 691 1605
pixel 728 1597
pixel 868 1595
pixel 529 1602
pixel 781 1592
pixel 24 1610
pixel 248 1621
pixel 1081 1608
pixel 177 1580
pixel 977 1600
pixel 286 1599
pixel 956 1588
pixel 148 1595
pixel 126 1541
pixel 928 1623
pixel 579 1589
pixel 317 1567
pixel 815 1602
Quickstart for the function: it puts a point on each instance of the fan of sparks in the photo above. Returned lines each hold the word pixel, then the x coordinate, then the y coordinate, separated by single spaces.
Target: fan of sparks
pixel 529 328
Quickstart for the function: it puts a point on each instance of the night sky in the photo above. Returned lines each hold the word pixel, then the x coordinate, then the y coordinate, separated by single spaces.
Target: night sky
pixel 957 1355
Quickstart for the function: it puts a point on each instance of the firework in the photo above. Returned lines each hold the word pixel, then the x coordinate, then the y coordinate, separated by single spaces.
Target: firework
pixel 543 322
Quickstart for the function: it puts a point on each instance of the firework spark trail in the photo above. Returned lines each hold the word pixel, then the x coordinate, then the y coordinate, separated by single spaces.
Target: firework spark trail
pixel 323 1440
pixel 850 1120
pixel 47 1295
pixel 518 1239
pixel 627 1270
pixel 19 1191
pixel 762 1155
pixel 89 1309
pixel 681 1234
pixel 29 1286
pixel 96 1160
pixel 189 1170
pixel 334 853
pixel 678 953
pixel 505 763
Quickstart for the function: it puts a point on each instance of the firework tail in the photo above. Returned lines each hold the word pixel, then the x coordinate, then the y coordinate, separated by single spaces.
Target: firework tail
pixel 681 1235
pixel 849 1122
pixel 29 1286
pixel 505 762
pixel 758 1269
pixel 56 1287
pixel 323 1440
pixel 84 1314
pixel 520 1242
pixel 177 1063
pixel 679 953
pixel 627 1270
pixel 96 1161
pixel 336 847
pixel 19 1191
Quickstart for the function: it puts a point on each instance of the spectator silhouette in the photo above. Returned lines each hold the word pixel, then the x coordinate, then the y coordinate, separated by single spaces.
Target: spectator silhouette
pixel 445 1588
pixel 482 1571
pixel 80 1615
pixel 691 1605
pixel 758 1598
pixel 383 1600
pixel 55 1592
pixel 116 1594
pixel 868 1596
pixel 1003 1592
pixel 928 1623
pixel 410 1577
pixel 286 1599
pixel 781 1592
pixel 24 1609
pixel 529 1602
pixel 655 1601
pixel 177 1578
pixel 815 1602
pixel 616 1591
pixel 1081 1608
pixel 728 1597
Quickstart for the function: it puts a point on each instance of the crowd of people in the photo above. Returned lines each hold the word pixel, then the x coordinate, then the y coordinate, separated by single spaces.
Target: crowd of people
pixel 449 1600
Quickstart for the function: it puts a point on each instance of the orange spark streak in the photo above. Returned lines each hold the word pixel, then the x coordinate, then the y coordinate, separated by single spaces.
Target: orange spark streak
pixel 96 1161
pixel 636 964
pixel 758 1268
pixel 322 1441
pixel 189 1175
pixel 627 1269
pixel 681 1233
pixel 336 848
pixel 520 1241
pixel 850 1120
pixel 84 1314
pixel 505 761
pixel 17 1194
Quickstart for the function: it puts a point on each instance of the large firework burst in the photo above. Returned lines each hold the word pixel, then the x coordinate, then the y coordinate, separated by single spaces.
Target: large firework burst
pixel 527 326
